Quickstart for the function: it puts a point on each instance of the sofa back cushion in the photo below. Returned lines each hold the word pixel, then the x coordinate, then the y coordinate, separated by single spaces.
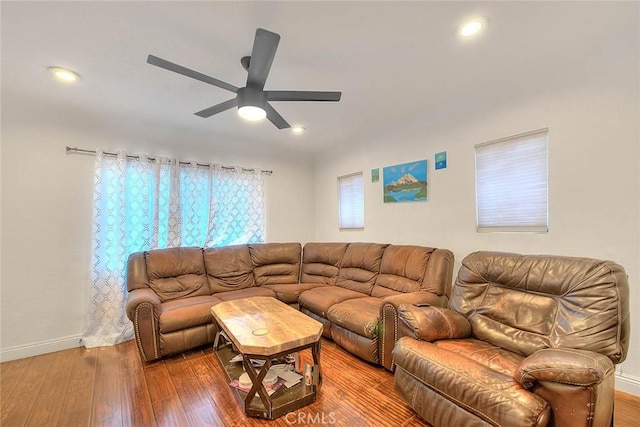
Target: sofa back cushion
pixel 229 268
pixel 360 266
pixel 137 271
pixel 321 262
pixel 439 273
pixel 176 273
pixel 527 303
pixel 275 263
pixel 402 269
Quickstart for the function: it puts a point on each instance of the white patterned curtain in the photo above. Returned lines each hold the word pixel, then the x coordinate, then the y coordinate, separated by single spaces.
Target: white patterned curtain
pixel 141 205
pixel 237 208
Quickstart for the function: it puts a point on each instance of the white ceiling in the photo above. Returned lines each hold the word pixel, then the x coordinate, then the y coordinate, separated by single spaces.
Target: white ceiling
pixel 395 62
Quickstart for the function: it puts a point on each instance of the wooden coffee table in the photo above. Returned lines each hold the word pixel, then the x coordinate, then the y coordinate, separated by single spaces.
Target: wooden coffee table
pixel 264 328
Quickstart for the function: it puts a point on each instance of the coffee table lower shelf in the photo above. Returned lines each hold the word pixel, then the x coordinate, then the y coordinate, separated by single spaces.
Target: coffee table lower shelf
pixel 283 401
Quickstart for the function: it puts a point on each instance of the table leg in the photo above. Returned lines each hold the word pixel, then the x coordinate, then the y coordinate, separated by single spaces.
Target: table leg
pixel 258 386
pixel 315 352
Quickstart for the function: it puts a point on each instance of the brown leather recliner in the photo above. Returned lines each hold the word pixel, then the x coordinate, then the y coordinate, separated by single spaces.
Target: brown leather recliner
pixel 526 341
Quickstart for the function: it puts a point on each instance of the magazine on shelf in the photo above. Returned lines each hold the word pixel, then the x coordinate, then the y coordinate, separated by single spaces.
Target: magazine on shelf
pixel 270 388
pixel 285 376
pixel 291 360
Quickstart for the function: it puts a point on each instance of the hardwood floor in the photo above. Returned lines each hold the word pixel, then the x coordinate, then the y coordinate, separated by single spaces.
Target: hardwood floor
pixel 109 386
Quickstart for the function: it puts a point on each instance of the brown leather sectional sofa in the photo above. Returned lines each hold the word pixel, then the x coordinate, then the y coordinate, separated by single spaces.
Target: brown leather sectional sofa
pixel 526 341
pixel 354 289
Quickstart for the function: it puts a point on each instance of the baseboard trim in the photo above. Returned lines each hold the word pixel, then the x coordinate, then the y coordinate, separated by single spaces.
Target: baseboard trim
pixel 628 384
pixel 41 347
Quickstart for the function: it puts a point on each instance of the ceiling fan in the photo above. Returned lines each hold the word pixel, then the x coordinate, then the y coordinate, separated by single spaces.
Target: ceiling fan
pixel 252 100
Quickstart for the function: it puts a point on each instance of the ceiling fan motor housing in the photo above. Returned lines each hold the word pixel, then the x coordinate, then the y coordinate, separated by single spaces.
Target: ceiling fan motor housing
pixel 251 96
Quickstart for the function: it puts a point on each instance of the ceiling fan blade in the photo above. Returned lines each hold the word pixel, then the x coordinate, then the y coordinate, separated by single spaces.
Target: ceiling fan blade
pixel 163 63
pixel 265 45
pixel 275 118
pixel 291 95
pixel 218 108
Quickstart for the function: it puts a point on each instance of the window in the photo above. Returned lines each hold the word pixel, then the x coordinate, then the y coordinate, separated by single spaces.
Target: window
pixel 512 183
pixel 351 201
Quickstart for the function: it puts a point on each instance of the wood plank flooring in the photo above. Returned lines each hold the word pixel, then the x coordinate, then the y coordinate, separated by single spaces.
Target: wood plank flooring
pixel 109 386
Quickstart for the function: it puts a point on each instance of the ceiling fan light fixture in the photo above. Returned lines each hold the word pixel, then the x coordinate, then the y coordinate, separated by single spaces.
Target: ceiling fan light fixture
pixel 297 130
pixel 252 113
pixel 251 102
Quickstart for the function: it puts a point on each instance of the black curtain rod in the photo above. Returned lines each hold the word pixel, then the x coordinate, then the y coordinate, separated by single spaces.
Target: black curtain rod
pixel 153 159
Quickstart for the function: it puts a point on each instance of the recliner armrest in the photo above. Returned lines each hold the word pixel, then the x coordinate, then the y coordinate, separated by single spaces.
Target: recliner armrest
pixel 390 324
pixel 566 366
pixel 431 323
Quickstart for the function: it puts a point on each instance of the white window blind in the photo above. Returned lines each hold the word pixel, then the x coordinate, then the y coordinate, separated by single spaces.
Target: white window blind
pixel 512 180
pixel 351 201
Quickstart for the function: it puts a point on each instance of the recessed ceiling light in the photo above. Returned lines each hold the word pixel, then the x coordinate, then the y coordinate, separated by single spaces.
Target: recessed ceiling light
pixel 297 130
pixel 63 74
pixel 472 27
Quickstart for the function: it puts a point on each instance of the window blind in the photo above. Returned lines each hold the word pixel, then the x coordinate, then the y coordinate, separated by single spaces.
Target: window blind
pixel 351 201
pixel 512 180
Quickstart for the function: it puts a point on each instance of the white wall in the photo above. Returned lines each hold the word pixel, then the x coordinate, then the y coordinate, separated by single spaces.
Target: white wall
pixel 47 211
pixel 594 190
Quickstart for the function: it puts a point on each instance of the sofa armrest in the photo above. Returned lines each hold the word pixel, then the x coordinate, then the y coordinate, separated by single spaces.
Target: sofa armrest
pixel 431 323
pixel 143 309
pixel 567 366
pixel 139 296
pixel 420 297
pixel 389 319
pixel 578 384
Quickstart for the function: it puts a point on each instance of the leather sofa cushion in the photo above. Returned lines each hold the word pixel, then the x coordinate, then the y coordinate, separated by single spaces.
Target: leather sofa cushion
pixel 326 325
pixel 355 343
pixel 359 315
pixel 137 271
pixel 321 262
pixel 275 262
pixel 434 408
pixel 246 293
pixel 360 266
pixel 488 394
pixel 289 293
pixel 525 303
pixel 439 274
pixel 176 273
pixel 228 268
pixel 319 300
pixel 495 358
pixel 402 269
pixel 185 339
pixel 186 313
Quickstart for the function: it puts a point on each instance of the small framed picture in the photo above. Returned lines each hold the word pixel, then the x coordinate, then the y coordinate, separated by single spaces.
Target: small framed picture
pixel 441 160
pixel 375 175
